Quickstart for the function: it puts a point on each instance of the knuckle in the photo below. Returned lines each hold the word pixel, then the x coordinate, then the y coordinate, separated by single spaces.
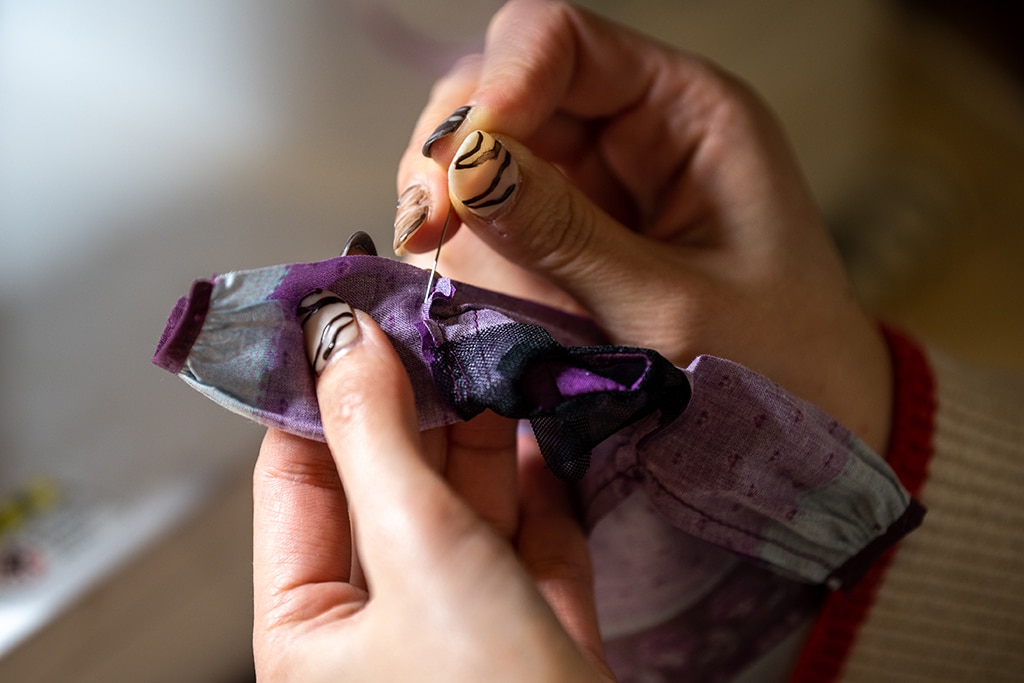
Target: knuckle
pixel 563 232
pixel 466 69
pixel 345 393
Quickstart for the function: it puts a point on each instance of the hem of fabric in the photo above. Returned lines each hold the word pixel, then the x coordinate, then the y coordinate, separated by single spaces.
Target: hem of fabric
pixel 183 327
pixel 858 566
pixel 832 637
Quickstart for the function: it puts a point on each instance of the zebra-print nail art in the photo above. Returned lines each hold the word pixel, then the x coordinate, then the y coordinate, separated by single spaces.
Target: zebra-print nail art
pixel 410 214
pixel 484 176
pixel 329 325
pixel 447 127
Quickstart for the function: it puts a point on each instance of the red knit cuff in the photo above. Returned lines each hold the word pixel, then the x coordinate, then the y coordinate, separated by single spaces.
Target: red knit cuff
pixel 910 450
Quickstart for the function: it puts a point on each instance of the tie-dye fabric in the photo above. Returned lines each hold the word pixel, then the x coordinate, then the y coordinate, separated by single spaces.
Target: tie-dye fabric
pixel 735 461
pixel 237 340
pixel 721 506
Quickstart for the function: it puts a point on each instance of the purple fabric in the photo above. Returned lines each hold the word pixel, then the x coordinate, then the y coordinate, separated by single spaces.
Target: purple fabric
pixel 462 357
pixel 749 492
pixel 251 359
pixel 756 470
pixel 675 608
pixel 747 466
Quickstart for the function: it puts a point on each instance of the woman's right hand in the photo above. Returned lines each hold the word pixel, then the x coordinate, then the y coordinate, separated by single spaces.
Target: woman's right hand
pixel 649 189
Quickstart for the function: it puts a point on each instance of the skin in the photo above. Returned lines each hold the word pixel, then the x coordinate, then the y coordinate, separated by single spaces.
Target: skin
pixel 405 571
pixel 658 196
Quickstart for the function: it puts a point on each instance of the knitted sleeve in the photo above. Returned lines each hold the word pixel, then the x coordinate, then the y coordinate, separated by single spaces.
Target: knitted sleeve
pixel 947 604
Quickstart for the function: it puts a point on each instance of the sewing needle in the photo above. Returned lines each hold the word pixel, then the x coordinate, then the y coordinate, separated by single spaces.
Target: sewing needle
pixel 437 256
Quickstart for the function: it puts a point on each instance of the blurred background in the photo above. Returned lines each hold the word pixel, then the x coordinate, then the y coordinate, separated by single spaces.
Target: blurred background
pixel 146 144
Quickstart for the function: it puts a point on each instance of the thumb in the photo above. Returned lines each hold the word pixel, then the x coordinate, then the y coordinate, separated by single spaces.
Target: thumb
pixel 528 211
pixel 369 417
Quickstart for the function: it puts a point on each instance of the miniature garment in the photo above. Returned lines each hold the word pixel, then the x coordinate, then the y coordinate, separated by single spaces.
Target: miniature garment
pixel 721 452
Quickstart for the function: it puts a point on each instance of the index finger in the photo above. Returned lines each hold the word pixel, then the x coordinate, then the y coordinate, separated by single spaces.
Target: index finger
pixel 301 534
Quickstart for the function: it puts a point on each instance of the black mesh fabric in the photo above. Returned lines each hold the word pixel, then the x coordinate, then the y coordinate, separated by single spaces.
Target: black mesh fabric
pixel 519 371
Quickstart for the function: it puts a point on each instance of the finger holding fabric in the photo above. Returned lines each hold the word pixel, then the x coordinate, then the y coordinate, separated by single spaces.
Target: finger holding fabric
pixel 447 597
pixel 422 206
pixel 549 73
pixel 658 194
pixel 736 299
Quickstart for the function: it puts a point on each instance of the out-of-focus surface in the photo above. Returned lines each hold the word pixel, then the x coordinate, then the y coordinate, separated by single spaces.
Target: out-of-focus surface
pixel 957 117
pixel 146 144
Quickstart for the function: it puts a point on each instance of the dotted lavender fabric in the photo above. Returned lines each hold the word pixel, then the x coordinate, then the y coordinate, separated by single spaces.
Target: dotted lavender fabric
pixel 715 454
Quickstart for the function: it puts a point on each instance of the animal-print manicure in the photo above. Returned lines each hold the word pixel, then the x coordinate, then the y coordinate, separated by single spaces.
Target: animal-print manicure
pixel 329 325
pixel 484 176
pixel 447 127
pixel 410 214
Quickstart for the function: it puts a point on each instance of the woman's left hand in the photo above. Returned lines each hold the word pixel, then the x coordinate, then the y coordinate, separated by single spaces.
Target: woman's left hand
pixel 390 555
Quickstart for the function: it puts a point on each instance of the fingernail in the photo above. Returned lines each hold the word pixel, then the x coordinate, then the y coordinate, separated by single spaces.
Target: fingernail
pixel 329 326
pixel 483 175
pixel 359 244
pixel 447 127
pixel 410 214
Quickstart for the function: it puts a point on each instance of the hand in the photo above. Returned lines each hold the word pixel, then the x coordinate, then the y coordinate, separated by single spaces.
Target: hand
pixel 392 572
pixel 652 191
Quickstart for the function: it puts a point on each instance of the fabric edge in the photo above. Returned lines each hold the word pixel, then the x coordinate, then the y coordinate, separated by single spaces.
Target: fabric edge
pixel 831 639
pixel 183 327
